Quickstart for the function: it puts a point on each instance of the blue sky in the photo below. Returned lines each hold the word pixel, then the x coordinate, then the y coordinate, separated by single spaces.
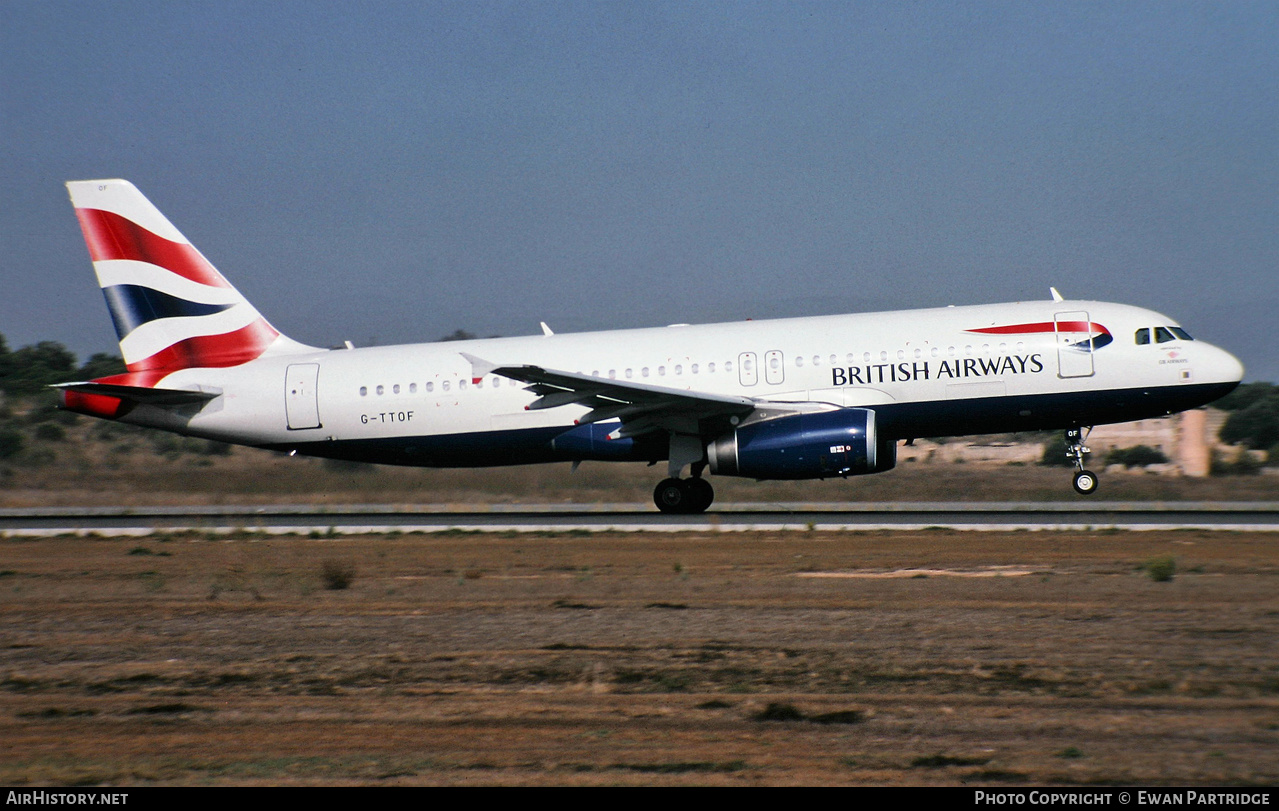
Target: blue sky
pixel 389 172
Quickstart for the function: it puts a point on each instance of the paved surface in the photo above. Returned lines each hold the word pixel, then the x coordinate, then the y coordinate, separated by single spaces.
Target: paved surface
pixel 355 519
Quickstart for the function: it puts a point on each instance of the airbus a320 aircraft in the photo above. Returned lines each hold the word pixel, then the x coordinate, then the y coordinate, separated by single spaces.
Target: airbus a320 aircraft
pixel 798 398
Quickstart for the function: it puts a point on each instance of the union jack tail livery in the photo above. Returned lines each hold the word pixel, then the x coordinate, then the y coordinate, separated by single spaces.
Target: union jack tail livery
pixel 171 308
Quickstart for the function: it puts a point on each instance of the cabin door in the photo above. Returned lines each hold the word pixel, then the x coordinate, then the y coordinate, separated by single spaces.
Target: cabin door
pixel 1074 344
pixel 300 398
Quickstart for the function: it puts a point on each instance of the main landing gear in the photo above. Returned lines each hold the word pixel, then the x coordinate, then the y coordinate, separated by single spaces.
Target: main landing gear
pixel 689 496
pixel 1085 480
pixel 683 496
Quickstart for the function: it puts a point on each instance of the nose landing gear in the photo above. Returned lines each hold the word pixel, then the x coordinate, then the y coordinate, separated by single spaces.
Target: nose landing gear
pixel 1085 481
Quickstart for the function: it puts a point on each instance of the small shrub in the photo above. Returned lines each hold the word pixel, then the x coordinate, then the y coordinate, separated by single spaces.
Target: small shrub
pixel 50 432
pixel 942 761
pixel 1055 454
pixel 10 443
pixel 778 711
pixel 1137 456
pixel 1243 464
pixel 1161 569
pixel 337 575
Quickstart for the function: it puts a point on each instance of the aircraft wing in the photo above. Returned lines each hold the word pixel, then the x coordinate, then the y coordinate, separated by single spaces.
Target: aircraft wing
pixel 640 407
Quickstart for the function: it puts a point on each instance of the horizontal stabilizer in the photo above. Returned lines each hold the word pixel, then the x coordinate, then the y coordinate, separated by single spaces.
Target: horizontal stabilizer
pixel 141 394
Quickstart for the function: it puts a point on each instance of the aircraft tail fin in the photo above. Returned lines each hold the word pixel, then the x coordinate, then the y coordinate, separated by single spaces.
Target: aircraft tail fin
pixel 172 309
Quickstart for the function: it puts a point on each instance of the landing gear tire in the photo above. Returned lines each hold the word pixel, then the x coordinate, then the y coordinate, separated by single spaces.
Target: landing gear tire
pixel 1085 482
pixel 671 496
pixel 701 493
pixel 683 496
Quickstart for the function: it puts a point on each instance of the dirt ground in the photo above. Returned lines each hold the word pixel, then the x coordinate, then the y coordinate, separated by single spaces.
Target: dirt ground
pixel 936 658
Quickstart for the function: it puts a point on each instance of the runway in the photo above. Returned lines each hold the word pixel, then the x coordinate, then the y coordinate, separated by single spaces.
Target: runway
pixel 324 521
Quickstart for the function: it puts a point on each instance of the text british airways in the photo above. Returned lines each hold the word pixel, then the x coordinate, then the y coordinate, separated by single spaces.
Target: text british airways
pixel 907 371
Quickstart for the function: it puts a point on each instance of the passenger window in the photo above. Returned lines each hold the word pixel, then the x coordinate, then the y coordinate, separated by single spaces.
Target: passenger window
pixel 1163 336
pixel 1143 336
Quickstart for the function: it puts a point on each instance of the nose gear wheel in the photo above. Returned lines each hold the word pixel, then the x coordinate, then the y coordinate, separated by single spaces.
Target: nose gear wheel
pixel 1085 481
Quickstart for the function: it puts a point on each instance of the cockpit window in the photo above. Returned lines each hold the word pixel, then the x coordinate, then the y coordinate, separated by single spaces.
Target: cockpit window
pixel 1163 336
pixel 1143 336
pixel 1181 333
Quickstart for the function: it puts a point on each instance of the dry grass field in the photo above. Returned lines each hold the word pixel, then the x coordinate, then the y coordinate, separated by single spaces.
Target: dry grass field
pixel 651 659
pixel 105 464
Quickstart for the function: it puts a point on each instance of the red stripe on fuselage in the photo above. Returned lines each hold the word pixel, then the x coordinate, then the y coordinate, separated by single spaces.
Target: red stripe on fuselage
pixel 111 236
pixel 1045 326
pixel 228 349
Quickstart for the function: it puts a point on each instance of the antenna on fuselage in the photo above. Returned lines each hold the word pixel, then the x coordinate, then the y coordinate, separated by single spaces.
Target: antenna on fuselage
pixel 1056 295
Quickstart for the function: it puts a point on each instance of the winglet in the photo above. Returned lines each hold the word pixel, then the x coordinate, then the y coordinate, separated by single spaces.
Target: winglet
pixel 479 366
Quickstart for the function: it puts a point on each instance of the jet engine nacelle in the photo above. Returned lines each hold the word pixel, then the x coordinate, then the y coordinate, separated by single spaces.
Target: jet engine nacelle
pixel 814 445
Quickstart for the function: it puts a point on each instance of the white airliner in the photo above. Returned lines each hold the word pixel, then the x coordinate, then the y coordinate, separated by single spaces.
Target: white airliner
pixel 797 398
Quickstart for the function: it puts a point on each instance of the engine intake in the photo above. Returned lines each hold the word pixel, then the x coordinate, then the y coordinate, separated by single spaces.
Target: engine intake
pixel 814 445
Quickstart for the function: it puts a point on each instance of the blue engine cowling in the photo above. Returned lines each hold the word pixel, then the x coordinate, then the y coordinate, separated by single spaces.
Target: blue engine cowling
pixel 816 445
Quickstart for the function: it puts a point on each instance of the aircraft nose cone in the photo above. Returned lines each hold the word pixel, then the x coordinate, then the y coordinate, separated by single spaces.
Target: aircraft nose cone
pixel 1228 367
